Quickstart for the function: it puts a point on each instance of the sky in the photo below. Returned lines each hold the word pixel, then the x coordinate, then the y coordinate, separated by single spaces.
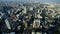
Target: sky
pixel 34 0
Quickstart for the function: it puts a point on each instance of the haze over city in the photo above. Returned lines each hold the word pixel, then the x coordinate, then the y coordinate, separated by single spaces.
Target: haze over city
pixel 43 1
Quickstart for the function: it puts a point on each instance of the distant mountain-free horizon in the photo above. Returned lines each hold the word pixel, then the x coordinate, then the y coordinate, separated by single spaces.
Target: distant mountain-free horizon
pixel 41 1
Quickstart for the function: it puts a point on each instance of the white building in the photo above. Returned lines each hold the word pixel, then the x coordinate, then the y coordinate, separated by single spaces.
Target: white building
pixel 36 23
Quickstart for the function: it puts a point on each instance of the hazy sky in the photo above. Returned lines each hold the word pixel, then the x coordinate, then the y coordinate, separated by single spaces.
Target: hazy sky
pixel 34 0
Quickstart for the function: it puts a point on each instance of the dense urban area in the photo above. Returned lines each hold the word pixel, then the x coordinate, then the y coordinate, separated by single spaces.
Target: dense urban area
pixel 29 18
